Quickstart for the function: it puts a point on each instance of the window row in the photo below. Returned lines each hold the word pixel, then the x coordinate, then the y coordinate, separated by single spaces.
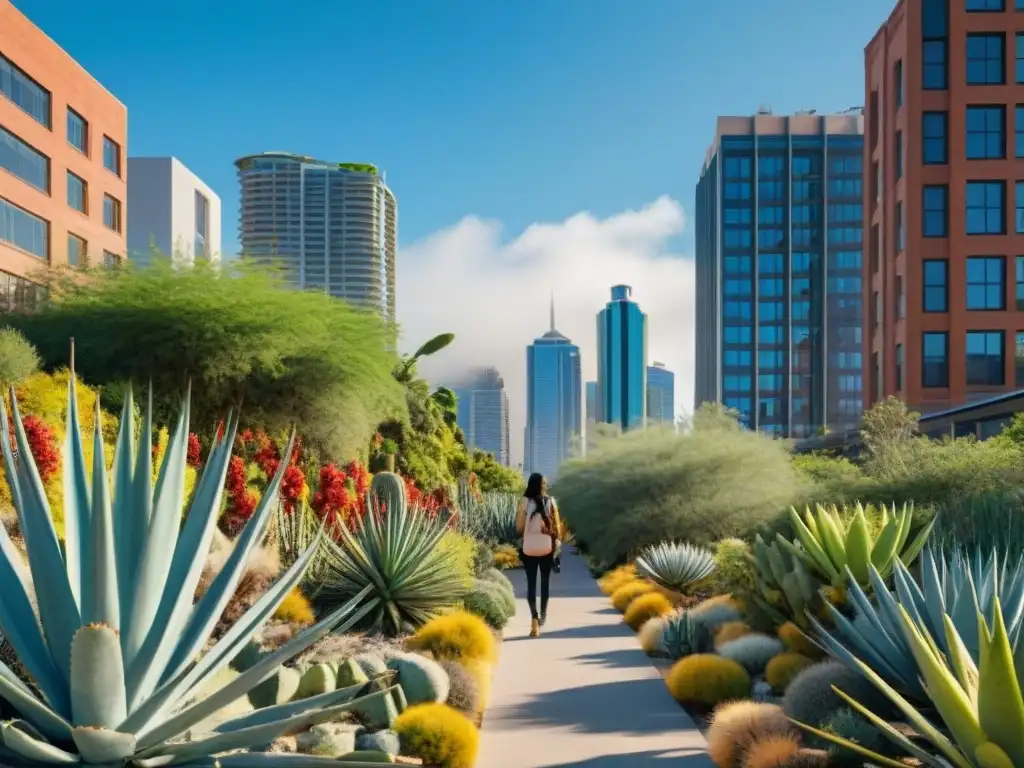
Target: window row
pixel 985 358
pixel 985 134
pixel 24 92
pixel 30 233
pixel 985 284
pixel 985 59
pixel 985 211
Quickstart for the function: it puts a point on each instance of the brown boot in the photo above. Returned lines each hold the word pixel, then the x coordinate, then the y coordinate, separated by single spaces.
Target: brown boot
pixel 535 628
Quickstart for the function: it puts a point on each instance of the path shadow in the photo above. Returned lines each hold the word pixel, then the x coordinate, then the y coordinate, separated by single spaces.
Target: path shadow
pixel 598 709
pixel 696 759
pixel 585 631
pixel 623 658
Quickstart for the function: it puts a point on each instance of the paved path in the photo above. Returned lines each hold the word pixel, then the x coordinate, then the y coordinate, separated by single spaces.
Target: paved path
pixel 583 694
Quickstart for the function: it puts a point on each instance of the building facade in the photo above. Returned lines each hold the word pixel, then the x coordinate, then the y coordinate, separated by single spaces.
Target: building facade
pixel 332 226
pixel 622 361
pixel 554 408
pixel 945 205
pixel 173 211
pixel 483 414
pixel 63 139
pixel 661 394
pixel 591 402
pixel 778 267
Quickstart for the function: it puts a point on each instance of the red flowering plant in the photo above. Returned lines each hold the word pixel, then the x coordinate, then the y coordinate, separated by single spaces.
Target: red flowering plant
pixel 341 494
pixel 194 455
pixel 241 499
pixel 43 444
pixel 266 455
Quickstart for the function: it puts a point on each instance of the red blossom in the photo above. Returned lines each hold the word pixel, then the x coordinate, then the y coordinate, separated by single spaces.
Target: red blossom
pixel 43 445
pixel 194 456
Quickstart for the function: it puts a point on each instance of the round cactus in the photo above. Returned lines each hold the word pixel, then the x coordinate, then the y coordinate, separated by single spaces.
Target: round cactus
pixel 716 611
pixel 388 490
pixel 350 672
pixel 423 681
pixel 810 699
pixel 738 724
pixel 753 651
pixel 652 635
pixel 854 727
pixel 370 663
pixel 319 678
pixel 796 641
pixel 646 607
pixel 783 668
pixel 705 679
pixel 628 592
pixel 731 630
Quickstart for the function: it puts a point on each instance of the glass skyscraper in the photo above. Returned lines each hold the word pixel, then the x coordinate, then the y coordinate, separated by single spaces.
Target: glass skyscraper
pixel 332 226
pixel 622 361
pixel 778 263
pixel 554 407
pixel 483 414
pixel 591 410
pixel 661 394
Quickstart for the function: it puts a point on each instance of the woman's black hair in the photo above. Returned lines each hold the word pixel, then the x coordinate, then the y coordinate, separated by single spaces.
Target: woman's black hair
pixel 535 490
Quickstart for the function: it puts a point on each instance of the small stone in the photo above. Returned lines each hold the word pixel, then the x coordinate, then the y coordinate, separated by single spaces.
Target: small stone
pixel 329 739
pixel 275 637
pixel 285 744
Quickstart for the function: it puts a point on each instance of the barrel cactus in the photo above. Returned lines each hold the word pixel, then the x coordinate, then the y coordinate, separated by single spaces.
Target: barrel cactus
pixel 388 490
pixel 117 650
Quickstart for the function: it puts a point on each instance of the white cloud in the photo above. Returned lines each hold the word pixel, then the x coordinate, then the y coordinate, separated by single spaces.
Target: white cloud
pixel 495 295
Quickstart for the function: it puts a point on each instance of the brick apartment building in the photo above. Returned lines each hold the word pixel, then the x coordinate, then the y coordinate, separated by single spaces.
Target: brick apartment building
pixel 944 203
pixel 63 149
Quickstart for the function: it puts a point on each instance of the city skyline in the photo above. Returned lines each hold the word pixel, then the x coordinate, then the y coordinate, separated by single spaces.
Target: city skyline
pixel 483 414
pixel 661 386
pixel 622 361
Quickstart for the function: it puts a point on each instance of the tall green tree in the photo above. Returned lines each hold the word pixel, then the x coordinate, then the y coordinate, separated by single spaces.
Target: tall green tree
pixel 239 335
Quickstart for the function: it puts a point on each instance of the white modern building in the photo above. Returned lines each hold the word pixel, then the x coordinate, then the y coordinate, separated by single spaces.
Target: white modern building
pixel 172 210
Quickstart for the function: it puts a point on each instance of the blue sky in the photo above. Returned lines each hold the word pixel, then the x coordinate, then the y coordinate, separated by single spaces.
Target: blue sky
pixel 515 110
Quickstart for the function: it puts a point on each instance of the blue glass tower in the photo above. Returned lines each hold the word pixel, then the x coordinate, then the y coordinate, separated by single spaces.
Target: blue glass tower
pixel 483 414
pixel 591 411
pixel 622 361
pixel 661 394
pixel 554 407
pixel 778 268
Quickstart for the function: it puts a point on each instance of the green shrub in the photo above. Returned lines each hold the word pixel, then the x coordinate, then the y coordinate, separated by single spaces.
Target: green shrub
pixel 650 486
pixel 734 572
pixel 486 600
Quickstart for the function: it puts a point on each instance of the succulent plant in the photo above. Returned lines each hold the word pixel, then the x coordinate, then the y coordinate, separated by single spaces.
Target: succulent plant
pixel 786 590
pixel 851 726
pixel 812 697
pixel 684 635
pixel 838 551
pixel 117 650
pixel 953 588
pixel 392 559
pixel 753 651
pixel 423 680
pixel 675 566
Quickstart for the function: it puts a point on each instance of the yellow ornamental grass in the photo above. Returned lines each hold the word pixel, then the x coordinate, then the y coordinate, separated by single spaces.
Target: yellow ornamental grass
pixel 628 592
pixel 482 672
pixel 615 578
pixel 438 735
pixel 295 609
pixel 456 635
pixel 705 679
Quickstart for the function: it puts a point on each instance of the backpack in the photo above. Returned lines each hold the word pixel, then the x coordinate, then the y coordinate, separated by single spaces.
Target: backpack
pixel 537 543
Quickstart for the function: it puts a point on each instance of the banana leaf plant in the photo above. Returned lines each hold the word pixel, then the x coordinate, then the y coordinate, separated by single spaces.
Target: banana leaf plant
pixel 116 650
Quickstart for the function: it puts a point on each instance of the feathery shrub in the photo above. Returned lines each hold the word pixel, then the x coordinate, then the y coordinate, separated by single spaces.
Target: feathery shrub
pixel 296 609
pixel 628 592
pixel 705 679
pixel 651 635
pixel 485 599
pixel 738 724
pixel 456 635
pixel 438 735
pixel 645 607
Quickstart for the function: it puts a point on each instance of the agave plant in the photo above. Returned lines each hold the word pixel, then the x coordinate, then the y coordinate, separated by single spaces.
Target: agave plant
pixel 786 591
pixel 980 704
pixel 490 518
pixel 116 651
pixel 685 635
pixel 953 588
pixel 835 550
pixel 674 566
pixel 391 560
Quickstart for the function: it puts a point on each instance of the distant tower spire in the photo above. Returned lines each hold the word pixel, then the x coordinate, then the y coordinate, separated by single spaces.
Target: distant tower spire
pixel 552 309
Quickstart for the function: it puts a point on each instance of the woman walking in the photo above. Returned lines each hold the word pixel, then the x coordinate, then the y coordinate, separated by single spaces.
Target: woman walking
pixel 540 525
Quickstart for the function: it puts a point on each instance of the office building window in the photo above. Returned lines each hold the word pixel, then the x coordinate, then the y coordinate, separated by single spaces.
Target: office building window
pixel 78 132
pixel 1018 130
pixel 936 285
pixel 1018 358
pixel 899 155
pixel 901 298
pixel 900 228
pixel 78 193
pixel 1018 58
pixel 112 156
pixel 936 210
pixel 111 213
pixel 202 227
pixel 985 358
pixel 986 286
pixel 934 74
pixel 110 260
pixel 24 230
pixel 23 161
pixel 981 6
pixel 897 82
pixel 986 201
pixel 899 367
pixel 876 309
pixel 1018 212
pixel 24 92
pixel 986 132
pixel 78 251
pixel 935 359
pixel 875 247
pixel 985 59
pixel 1020 283
pixel 935 144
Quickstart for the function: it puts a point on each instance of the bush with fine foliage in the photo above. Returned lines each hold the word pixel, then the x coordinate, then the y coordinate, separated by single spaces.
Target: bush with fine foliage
pixel 653 485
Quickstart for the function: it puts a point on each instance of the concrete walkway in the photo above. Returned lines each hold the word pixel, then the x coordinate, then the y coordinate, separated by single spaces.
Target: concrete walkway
pixel 583 694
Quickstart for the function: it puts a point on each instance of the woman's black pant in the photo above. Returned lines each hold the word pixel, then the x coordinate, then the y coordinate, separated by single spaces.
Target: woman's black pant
pixel 532 564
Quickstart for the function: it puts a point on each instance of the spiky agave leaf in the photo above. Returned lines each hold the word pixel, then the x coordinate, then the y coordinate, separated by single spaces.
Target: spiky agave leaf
pixel 116 650
pixel 393 551
pixel 675 566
